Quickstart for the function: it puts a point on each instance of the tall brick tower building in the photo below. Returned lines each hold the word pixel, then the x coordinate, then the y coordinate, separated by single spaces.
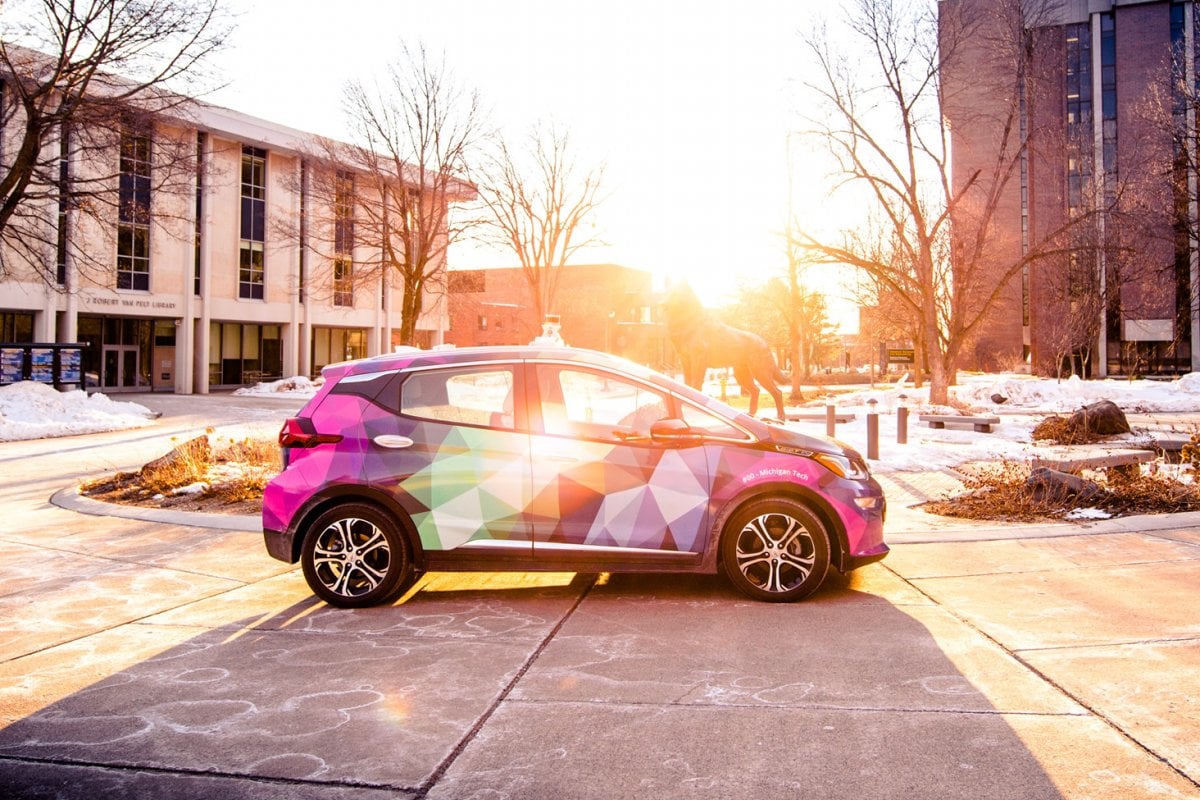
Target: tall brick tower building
pixel 1107 92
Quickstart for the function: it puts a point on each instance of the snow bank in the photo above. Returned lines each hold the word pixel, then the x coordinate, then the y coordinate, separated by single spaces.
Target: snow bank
pixel 299 386
pixel 1038 395
pixel 30 410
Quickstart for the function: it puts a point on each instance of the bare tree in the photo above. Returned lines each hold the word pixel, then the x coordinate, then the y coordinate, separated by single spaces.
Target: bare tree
pixel 391 191
pixel 85 86
pixel 541 205
pixel 885 111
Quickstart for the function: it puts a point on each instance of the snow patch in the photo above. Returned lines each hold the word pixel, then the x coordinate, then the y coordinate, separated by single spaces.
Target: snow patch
pixel 299 386
pixel 31 410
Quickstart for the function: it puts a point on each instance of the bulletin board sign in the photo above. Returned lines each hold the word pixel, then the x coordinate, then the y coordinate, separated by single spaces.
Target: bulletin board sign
pixel 12 364
pixel 69 360
pixel 41 364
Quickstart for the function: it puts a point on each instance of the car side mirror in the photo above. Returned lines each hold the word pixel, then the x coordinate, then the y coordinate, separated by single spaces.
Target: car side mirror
pixel 674 432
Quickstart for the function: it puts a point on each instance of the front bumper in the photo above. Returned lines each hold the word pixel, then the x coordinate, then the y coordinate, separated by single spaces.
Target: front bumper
pixel 877 553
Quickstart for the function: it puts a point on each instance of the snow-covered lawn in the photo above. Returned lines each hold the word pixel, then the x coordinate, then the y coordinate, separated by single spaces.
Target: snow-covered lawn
pixel 1027 401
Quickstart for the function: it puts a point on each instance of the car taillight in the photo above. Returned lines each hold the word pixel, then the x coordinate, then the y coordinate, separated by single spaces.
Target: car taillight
pixel 300 432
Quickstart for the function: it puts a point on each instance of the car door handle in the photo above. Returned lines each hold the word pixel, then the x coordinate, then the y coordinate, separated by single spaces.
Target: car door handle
pixel 392 441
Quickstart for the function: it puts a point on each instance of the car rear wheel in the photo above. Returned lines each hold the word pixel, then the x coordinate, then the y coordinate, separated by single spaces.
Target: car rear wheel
pixel 775 549
pixel 355 555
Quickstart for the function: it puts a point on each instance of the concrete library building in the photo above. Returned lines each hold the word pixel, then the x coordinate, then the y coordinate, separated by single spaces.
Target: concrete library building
pixel 202 282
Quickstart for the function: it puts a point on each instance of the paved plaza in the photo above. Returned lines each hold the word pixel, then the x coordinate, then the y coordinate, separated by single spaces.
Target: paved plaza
pixel 163 658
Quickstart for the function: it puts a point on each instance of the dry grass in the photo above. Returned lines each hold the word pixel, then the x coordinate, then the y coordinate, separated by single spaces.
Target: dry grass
pixel 1001 493
pixel 226 477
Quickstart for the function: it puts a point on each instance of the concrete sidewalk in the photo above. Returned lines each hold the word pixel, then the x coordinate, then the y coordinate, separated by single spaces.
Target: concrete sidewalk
pixel 158 659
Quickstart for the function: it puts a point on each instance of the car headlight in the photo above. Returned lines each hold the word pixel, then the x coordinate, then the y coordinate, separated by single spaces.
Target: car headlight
pixel 843 466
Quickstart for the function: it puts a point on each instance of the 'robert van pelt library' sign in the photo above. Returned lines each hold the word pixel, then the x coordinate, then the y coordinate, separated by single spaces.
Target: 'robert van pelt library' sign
pixel 130 303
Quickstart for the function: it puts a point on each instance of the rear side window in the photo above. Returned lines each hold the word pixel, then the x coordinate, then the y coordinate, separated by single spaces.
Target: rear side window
pixel 463 396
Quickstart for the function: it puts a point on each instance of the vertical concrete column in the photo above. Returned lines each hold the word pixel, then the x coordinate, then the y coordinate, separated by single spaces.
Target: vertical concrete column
pixel 70 325
pixel 291 333
pixel 202 326
pixel 385 277
pixel 303 334
pixel 185 326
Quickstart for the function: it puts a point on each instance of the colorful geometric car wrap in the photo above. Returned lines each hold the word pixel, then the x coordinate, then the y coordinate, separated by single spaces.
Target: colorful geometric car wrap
pixel 462 484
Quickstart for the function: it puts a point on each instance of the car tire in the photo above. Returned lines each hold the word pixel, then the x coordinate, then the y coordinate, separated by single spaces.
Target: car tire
pixel 775 549
pixel 354 555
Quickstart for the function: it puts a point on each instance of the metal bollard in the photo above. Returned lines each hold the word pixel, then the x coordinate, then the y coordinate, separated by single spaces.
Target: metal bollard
pixel 902 421
pixel 830 419
pixel 872 431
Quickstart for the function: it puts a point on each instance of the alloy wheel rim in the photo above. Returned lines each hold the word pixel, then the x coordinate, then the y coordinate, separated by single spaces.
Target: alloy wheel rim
pixel 775 552
pixel 351 557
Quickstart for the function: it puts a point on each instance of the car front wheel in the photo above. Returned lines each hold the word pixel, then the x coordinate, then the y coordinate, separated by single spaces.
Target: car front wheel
pixel 775 549
pixel 354 556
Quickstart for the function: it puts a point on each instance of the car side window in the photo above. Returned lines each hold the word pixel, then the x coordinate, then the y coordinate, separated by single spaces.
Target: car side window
pixel 710 424
pixel 597 405
pixel 469 396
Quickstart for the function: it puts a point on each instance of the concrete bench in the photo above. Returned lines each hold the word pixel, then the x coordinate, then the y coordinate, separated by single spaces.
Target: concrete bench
pixel 817 417
pixel 1171 444
pixel 1074 460
pixel 981 424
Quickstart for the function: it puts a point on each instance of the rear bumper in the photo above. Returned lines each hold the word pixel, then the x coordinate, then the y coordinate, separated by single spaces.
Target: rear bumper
pixel 279 545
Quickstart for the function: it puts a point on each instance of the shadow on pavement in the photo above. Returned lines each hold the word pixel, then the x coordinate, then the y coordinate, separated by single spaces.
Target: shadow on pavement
pixel 636 686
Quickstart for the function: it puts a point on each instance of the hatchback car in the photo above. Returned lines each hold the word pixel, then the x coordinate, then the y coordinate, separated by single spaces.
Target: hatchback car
pixel 554 459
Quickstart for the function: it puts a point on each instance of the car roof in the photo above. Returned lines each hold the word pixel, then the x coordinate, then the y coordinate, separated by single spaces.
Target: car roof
pixel 408 358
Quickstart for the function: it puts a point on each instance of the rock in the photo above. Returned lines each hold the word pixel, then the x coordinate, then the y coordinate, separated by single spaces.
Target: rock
pixel 1051 485
pixel 999 399
pixel 1088 424
pixel 1104 418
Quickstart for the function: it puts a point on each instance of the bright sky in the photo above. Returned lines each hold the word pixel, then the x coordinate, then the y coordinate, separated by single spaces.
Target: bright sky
pixel 688 104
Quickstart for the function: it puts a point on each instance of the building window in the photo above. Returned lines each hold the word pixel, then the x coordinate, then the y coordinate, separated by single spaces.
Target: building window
pixel 1108 91
pixel 16 326
pixel 64 202
pixel 251 277
pixel 343 239
pixel 244 353
pixel 201 142
pixel 343 281
pixel 133 225
pixel 1080 133
pixel 331 345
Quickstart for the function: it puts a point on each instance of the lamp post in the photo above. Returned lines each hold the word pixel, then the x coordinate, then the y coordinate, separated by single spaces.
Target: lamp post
pixel 795 295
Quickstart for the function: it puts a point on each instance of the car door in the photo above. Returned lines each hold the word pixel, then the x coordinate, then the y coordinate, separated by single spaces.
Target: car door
pixel 463 457
pixel 599 481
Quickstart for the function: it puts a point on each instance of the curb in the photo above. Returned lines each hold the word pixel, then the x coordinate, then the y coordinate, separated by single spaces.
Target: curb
pixel 910 530
pixel 70 499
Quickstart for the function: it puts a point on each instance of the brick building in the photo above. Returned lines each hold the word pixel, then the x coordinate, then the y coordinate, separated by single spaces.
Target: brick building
pixel 604 307
pixel 1107 109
